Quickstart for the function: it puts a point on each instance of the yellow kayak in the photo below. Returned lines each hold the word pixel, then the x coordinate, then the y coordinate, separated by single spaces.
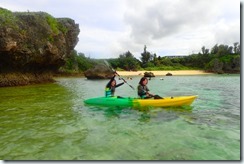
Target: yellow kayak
pixel 167 101
pixel 136 102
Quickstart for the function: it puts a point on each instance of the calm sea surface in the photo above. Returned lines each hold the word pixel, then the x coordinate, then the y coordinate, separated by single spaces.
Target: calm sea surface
pixel 51 122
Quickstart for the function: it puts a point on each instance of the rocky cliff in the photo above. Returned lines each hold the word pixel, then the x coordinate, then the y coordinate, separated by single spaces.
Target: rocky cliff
pixel 33 43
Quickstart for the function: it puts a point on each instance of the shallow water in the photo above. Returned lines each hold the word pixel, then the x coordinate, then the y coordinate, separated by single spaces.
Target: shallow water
pixel 50 121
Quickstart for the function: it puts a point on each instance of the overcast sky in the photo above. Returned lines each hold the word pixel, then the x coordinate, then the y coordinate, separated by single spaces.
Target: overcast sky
pixel 109 28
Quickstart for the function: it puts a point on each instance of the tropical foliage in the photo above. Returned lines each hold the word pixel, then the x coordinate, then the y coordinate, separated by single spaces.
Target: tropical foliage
pixel 219 59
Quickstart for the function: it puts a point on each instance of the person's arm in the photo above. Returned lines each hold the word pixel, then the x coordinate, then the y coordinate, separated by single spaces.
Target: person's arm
pixel 119 84
pixel 147 92
pixel 146 89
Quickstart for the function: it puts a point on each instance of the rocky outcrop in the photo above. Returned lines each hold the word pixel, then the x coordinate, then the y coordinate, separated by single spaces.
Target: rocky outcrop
pixel 169 74
pixel 99 72
pixel 148 74
pixel 34 42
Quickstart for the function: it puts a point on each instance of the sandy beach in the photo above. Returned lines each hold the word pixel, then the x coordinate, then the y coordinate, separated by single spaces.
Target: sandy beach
pixel 163 73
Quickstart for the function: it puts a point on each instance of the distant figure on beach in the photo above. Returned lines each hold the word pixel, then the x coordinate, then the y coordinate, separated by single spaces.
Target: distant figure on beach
pixel 143 90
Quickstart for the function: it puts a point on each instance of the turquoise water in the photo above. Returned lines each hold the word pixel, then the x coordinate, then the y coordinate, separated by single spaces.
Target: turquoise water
pixel 50 121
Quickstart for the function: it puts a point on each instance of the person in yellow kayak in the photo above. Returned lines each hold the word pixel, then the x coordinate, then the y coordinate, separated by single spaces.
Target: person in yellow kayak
pixel 110 87
pixel 143 91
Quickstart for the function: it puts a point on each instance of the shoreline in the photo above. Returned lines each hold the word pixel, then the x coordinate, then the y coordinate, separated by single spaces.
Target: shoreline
pixel 163 73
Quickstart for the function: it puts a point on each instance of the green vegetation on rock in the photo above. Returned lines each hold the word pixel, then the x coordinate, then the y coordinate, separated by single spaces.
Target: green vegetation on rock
pixel 7 18
pixel 33 43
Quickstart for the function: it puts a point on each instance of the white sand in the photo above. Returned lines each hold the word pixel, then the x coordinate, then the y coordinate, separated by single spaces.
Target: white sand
pixel 163 73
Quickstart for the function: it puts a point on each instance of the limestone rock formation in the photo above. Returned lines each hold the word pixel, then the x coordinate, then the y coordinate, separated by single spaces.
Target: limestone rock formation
pixel 34 42
pixel 99 72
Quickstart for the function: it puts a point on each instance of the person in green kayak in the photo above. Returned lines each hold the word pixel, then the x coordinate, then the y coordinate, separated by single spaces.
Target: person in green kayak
pixel 110 87
pixel 143 90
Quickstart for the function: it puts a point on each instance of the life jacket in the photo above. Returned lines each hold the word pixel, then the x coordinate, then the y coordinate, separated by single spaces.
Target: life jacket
pixel 109 92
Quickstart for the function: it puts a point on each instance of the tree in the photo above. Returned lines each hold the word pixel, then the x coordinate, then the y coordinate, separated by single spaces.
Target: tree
pixel 236 65
pixel 222 50
pixel 205 51
pixel 166 61
pixel 215 49
pixel 146 57
pixel 156 60
pixel 217 66
pixel 127 61
pixel 237 49
pixel 83 62
pixel 78 62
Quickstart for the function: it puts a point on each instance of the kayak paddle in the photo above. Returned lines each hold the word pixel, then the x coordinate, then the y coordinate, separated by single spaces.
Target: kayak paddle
pixel 110 67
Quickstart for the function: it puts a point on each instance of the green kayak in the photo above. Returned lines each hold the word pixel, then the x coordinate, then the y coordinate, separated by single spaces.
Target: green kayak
pixel 136 102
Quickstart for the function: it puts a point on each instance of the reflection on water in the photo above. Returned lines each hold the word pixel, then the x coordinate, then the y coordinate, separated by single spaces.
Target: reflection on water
pixel 51 122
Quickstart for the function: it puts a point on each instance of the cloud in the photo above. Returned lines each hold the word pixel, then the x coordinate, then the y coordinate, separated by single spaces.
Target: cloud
pixel 165 18
pixel 227 32
pixel 182 25
pixel 99 43
pixel 109 28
